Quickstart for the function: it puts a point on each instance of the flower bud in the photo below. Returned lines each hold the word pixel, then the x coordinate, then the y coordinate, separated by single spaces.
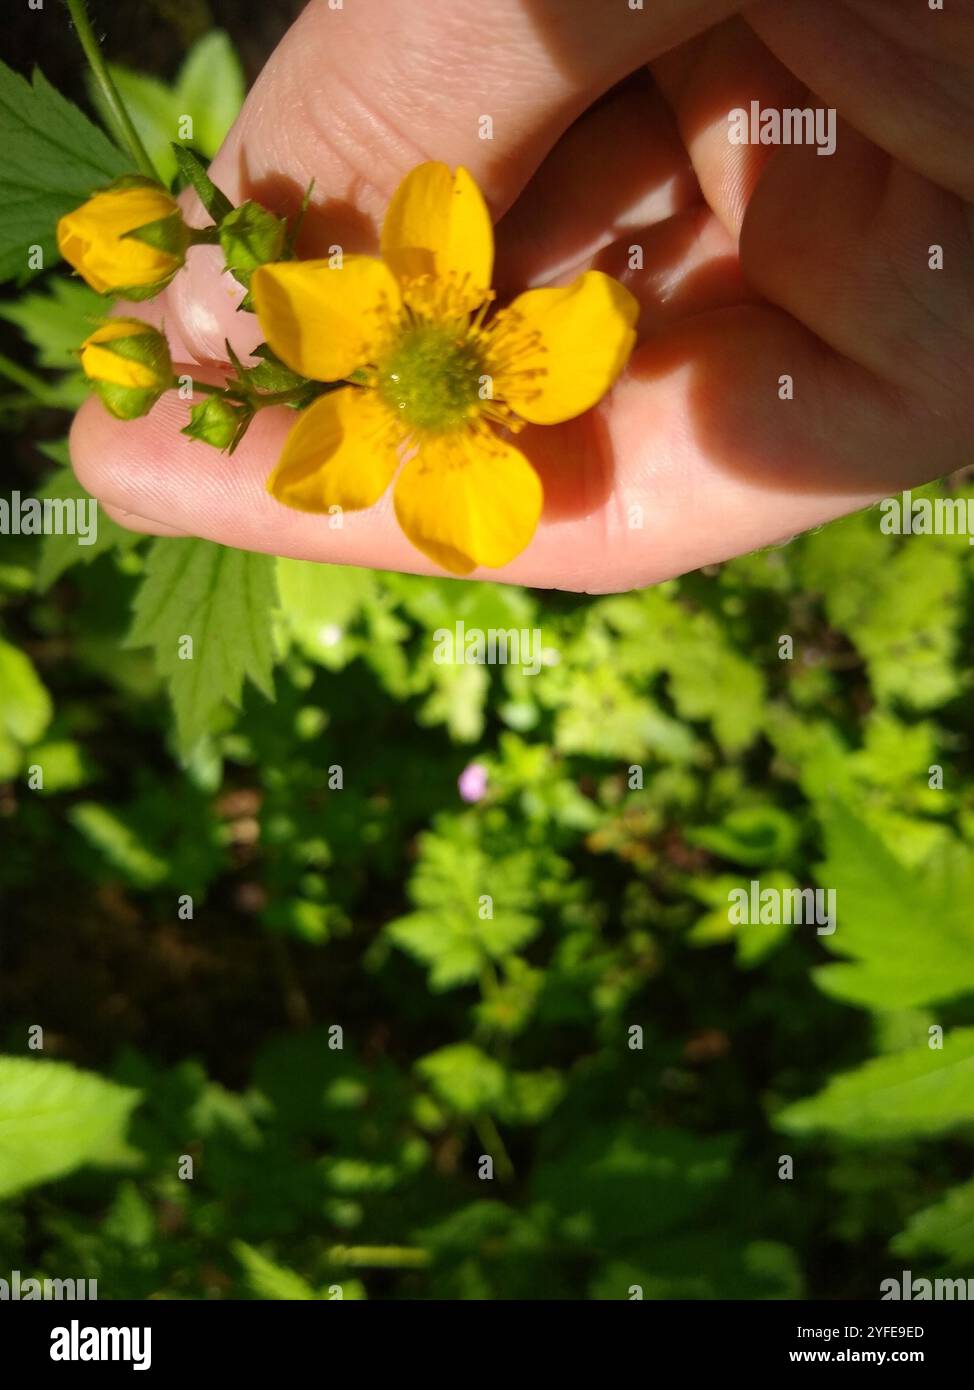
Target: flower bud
pixel 250 236
pixel 128 240
pixel 128 364
pixel 216 421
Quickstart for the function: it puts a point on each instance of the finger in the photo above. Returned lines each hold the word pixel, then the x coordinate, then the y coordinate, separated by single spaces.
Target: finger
pixel 899 72
pixel 685 265
pixel 694 458
pixel 704 81
pixel 620 168
pixel 842 242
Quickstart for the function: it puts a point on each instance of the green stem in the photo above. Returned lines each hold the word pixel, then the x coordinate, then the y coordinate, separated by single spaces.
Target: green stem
pixel 490 1137
pixel 99 68
pixel 259 400
pixel 201 388
pixel 378 1256
pixel 20 376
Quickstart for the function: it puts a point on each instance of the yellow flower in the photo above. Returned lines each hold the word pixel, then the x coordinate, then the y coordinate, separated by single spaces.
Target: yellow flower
pixel 432 378
pixel 127 361
pixel 96 239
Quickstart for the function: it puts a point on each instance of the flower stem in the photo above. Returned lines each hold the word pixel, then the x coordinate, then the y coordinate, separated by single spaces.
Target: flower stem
pixel 489 1136
pixel 123 121
pixel 201 388
pixel 28 381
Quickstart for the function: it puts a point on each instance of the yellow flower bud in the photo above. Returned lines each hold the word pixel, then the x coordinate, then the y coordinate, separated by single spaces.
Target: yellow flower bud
pixel 128 240
pixel 128 364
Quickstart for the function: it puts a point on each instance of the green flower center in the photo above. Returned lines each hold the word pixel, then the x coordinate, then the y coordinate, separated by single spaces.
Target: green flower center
pixel 431 378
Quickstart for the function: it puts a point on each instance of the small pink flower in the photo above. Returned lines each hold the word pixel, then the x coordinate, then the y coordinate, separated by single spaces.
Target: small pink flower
pixel 473 782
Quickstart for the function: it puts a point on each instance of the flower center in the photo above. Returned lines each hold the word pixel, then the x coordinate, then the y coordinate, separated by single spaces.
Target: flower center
pixel 431 377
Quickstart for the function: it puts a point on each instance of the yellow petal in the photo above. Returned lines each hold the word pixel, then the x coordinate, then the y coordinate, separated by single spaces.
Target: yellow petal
pixel 320 319
pixel 91 239
pixel 99 364
pixel 342 452
pixel 469 499
pixel 558 351
pixel 438 224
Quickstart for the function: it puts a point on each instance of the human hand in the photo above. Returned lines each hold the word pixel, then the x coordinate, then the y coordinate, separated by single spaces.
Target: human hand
pixel 758 262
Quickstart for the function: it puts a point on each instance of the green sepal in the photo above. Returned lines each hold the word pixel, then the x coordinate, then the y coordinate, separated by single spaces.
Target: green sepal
pixel 270 373
pixel 251 237
pixel 138 292
pixel 294 231
pixel 169 234
pixel 217 204
pixel 126 402
pixel 149 348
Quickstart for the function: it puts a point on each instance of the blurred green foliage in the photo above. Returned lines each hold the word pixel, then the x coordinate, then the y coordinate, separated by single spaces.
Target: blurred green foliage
pixel 293 990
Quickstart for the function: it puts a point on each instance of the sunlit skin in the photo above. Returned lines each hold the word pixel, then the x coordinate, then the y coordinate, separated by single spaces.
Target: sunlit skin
pixel 757 262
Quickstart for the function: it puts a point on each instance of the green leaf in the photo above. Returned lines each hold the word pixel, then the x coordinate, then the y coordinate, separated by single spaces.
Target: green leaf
pixel 53 158
pixel 25 706
pixel 625 1183
pixel 54 1118
pixel 909 929
pixel 464 1078
pixel 210 88
pixel 759 835
pixel 947 1227
pixel 265 1279
pixel 63 765
pixel 59 553
pixel 321 604
pixel 755 940
pixel 222 601
pixel 917 1093
pixel 448 933
pixel 708 679
pixel 56 319
pixel 120 845
pixel 899 604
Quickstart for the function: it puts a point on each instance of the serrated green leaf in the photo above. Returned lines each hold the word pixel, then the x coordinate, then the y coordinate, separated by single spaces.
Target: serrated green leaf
pixel 898 602
pixel 59 553
pixel 463 1077
pixel 54 1118
pixel 266 1279
pixel 917 1093
pixel 221 599
pixel 56 319
pixel 448 933
pixel 947 1227
pixel 909 929
pixel 53 158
